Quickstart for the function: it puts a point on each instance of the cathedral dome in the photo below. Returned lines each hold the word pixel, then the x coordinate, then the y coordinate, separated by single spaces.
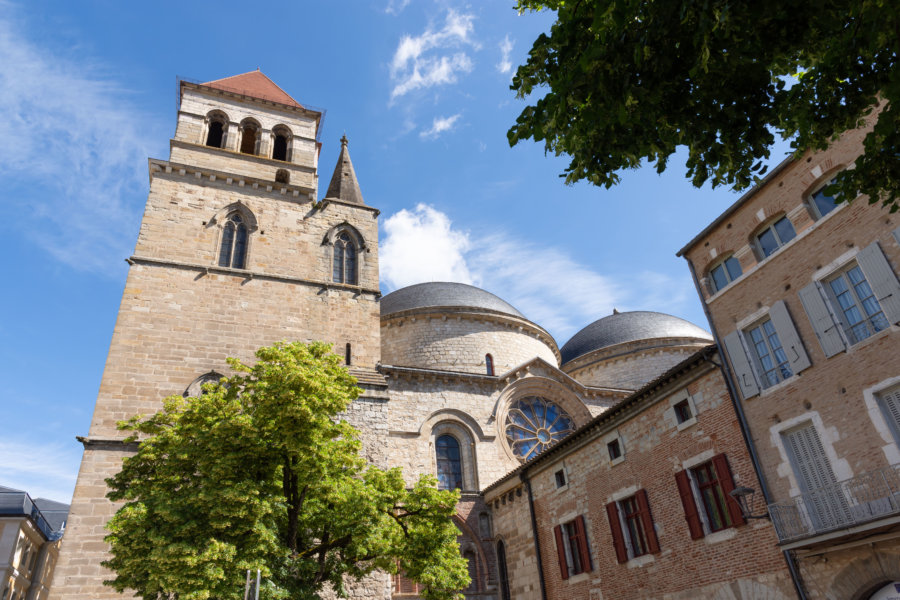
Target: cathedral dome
pixel 619 328
pixel 444 294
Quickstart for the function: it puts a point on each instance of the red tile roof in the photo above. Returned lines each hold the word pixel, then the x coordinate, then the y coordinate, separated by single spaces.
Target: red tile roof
pixel 255 85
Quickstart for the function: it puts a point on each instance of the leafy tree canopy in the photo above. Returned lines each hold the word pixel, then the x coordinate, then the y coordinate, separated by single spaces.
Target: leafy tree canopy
pixel 259 472
pixel 631 80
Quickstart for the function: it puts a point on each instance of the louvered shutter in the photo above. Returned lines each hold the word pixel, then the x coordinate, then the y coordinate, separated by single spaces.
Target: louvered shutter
pixel 746 380
pixel 723 474
pixel 890 406
pixel 644 506
pixel 612 513
pixel 788 336
pixel 561 552
pixel 882 280
pixel 820 317
pixel 690 507
pixel 824 501
pixel 584 550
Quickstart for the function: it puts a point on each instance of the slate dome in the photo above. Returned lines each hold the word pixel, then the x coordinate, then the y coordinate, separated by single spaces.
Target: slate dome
pixel 444 294
pixel 624 327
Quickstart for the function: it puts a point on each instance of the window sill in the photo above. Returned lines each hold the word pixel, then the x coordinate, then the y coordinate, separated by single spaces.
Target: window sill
pixel 583 576
pixel 720 536
pixel 763 392
pixel 640 561
pixel 617 461
pixel 685 424
pixel 850 349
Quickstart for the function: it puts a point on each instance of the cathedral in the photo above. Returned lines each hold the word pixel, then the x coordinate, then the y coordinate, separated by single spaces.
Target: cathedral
pixel 236 251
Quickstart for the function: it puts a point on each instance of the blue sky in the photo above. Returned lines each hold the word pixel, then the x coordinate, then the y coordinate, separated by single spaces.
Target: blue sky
pixel 421 88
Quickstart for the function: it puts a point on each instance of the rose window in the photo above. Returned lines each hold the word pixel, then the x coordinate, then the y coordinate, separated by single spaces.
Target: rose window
pixel 534 424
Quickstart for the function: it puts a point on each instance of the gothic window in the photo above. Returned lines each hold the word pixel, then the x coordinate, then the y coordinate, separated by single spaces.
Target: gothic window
pixel 449 463
pixel 218 125
pixel 489 364
pixel 233 249
pixel 196 388
pixel 249 138
pixel 484 524
pixel 344 270
pixel 504 574
pixel 281 143
pixel 534 424
pixel 472 567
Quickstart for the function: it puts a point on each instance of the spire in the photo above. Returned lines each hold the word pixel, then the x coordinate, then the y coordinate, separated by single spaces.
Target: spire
pixel 343 184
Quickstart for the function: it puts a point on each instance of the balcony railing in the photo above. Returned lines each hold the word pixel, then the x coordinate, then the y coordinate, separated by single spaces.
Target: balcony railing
pixel 20 503
pixel 864 498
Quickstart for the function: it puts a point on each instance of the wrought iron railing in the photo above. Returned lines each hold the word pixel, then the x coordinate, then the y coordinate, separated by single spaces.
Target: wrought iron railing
pixel 864 498
pixel 20 503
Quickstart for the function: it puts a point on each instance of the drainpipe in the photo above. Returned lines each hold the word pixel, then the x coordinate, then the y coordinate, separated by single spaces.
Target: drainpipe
pixel 537 540
pixel 745 429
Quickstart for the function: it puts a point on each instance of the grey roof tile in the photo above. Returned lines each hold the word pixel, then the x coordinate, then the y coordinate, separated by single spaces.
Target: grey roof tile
pixel 443 293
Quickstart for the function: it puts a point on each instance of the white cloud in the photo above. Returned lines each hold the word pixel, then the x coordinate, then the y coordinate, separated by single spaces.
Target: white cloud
pixel 439 126
pixel 506 46
pixel 395 7
pixel 545 283
pixel 74 154
pixel 42 470
pixel 424 61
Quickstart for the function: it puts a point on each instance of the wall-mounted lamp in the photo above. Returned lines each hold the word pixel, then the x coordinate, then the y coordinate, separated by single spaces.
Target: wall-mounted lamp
pixel 744 496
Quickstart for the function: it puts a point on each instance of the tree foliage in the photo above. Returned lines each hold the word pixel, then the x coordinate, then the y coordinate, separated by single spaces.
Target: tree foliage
pixel 632 80
pixel 259 472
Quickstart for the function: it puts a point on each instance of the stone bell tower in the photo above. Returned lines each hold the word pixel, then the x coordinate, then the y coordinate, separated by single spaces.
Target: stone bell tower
pixel 234 253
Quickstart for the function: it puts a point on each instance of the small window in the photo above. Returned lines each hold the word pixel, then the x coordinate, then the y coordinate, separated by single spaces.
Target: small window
pixel 449 463
pixel 484 525
pixel 724 273
pixel 233 249
pixel 344 268
pixel 504 574
pixel 615 449
pixel 347 354
pixel 282 176
pixel 768 354
pixel 712 497
pixel 823 203
pixel 683 411
pixel 858 308
pixel 775 236
pixel 572 548
pixel 560 478
pixel 489 364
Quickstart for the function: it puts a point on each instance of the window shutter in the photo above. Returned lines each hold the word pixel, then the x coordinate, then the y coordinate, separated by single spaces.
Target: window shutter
pixel 583 549
pixel 723 474
pixel 826 506
pixel 820 317
pixel 890 405
pixel 742 371
pixel 882 279
pixel 790 339
pixel 612 513
pixel 690 507
pixel 896 234
pixel 644 506
pixel 561 552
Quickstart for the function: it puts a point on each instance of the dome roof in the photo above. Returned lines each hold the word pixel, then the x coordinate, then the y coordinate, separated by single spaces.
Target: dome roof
pixel 628 327
pixel 442 293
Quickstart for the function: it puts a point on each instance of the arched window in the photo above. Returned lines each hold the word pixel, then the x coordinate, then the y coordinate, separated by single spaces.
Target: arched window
pixel 196 388
pixel 233 250
pixel 534 424
pixel 347 354
pixel 504 574
pixel 249 138
pixel 472 566
pixel 449 464
pixel 489 364
pixel 218 126
pixel 484 525
pixel 344 259
pixel 281 143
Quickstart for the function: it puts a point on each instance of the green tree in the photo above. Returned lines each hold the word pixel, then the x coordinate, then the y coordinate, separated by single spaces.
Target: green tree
pixel 632 80
pixel 260 472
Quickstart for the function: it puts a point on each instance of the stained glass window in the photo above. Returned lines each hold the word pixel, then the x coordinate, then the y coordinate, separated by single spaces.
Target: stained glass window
pixel 534 424
pixel 449 464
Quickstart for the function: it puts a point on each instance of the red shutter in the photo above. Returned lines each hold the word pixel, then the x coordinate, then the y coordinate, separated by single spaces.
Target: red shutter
pixel 612 512
pixel 561 552
pixel 583 548
pixel 644 507
pixel 690 507
pixel 723 474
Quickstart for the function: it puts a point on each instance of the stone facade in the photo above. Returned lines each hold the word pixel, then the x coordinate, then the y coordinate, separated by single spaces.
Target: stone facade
pixel 826 439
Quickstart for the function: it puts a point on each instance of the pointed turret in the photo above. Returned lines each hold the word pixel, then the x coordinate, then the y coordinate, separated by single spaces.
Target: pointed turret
pixel 343 184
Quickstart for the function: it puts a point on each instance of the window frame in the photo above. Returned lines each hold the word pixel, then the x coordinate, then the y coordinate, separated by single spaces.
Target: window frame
pixel 711 497
pixel 723 265
pixel 692 500
pixel 459 473
pixel 345 258
pixel 573 547
pixel 839 311
pixel 489 364
pixel 683 412
pixel 782 368
pixel 503 571
pixel 235 230
pixel 559 477
pixel 813 205
pixel 890 415
pixel 771 227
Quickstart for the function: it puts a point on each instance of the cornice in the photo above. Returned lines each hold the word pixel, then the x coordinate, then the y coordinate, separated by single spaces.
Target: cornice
pixel 302 193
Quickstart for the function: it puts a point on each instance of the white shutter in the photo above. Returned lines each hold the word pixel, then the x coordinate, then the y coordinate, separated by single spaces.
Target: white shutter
pixel 824 502
pixel 820 317
pixel 788 336
pixel 746 380
pixel 890 406
pixel 896 234
pixel 882 280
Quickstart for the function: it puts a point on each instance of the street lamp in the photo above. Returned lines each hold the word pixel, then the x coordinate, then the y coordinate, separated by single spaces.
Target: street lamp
pixel 744 496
